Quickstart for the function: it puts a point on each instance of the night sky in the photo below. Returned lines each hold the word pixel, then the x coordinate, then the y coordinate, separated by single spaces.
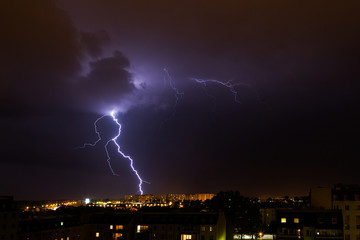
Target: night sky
pixel 65 63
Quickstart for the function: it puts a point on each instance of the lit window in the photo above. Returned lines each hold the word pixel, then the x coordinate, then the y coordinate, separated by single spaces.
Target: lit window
pixel 296 220
pixel 117 236
pixel 119 227
pixel 97 234
pixel 185 236
pixel 203 228
pixel 67 238
pixel 111 227
pixel 283 220
pixel 141 228
pixel 211 229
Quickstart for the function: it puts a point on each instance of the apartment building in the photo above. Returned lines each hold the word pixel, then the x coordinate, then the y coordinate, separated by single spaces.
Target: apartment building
pixel 341 197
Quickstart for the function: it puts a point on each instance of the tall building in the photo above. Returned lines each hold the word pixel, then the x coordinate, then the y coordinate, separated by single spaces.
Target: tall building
pixel 341 197
pixel 268 216
pixel 9 217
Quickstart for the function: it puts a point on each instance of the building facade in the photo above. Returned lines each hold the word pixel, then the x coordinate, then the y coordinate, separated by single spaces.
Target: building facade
pixel 309 224
pixel 125 225
pixel 9 217
pixel 341 197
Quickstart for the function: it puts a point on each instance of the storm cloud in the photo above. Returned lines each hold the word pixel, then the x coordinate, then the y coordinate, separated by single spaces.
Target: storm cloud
pixel 93 42
pixel 43 57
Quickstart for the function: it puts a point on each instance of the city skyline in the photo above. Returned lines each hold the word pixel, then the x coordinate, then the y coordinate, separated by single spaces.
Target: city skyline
pixel 202 96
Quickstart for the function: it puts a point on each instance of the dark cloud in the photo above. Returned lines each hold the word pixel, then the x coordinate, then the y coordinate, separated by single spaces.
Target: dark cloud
pixel 41 57
pixel 242 31
pixel 110 69
pixel 39 52
pixel 93 42
pixel 107 82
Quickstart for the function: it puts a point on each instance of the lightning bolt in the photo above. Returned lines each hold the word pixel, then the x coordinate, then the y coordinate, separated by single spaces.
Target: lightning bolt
pixel 177 94
pixel 213 98
pixel 121 153
pixel 231 86
pixel 97 133
pixel 114 140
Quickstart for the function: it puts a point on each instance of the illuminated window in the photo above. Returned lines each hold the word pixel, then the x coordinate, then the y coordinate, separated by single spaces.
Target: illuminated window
pixel 117 236
pixel 97 234
pixel 141 228
pixel 67 238
pixel 185 236
pixel 296 220
pixel 211 229
pixel 111 227
pixel 119 227
pixel 203 228
pixel 283 220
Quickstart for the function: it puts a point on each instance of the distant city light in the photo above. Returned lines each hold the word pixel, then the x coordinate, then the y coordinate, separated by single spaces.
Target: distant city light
pixel 87 200
pixel 55 208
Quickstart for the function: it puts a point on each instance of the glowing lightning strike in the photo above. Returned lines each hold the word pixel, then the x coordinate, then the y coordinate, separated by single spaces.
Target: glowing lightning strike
pixel 97 133
pixel 231 87
pixel 122 154
pixel 112 114
pixel 178 94
pixel 228 84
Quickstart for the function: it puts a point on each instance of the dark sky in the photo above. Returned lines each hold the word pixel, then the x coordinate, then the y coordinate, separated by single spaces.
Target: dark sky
pixel 65 63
